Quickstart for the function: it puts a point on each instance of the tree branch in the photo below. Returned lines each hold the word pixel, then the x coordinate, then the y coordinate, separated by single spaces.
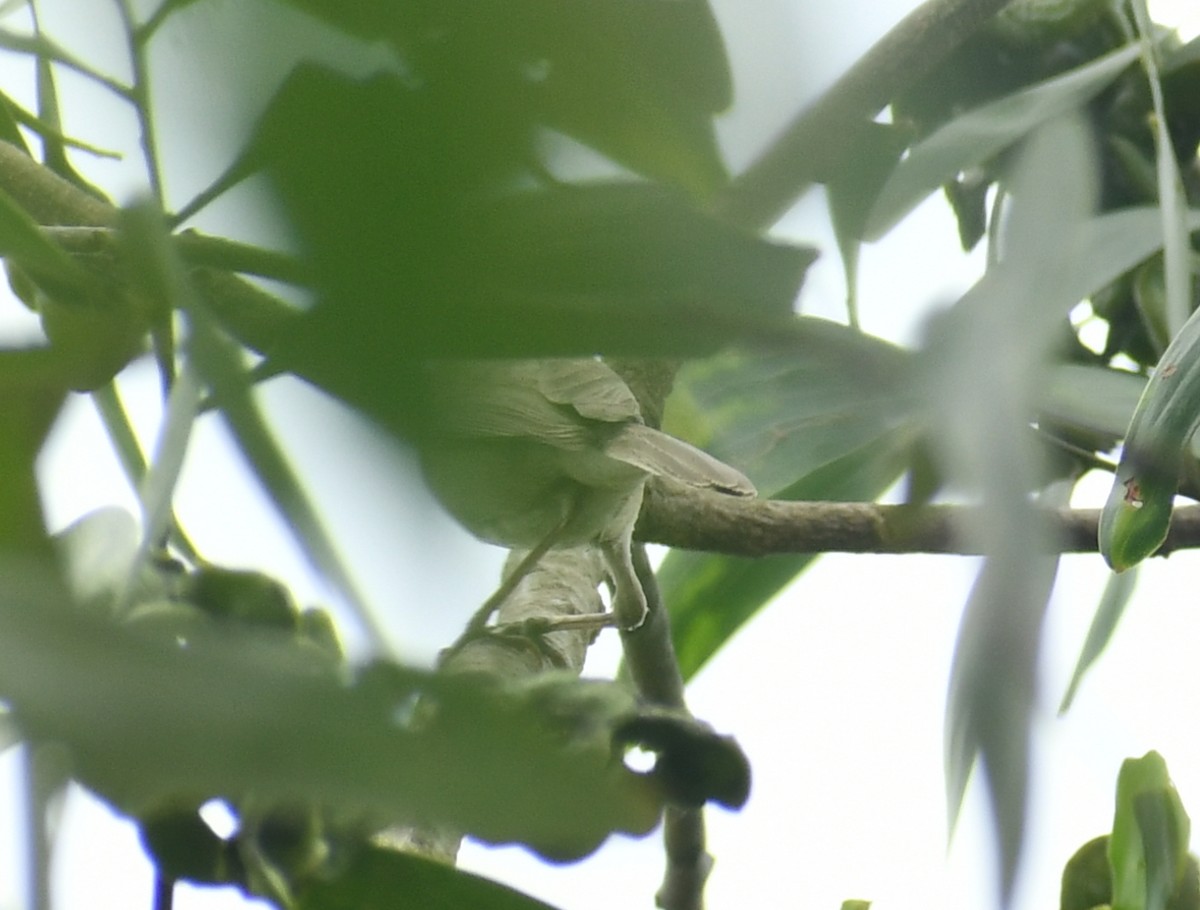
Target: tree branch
pixel 699 520
pixel 821 136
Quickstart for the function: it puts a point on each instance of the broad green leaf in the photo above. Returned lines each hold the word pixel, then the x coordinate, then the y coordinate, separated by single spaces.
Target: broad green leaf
pixel 381 879
pixel 985 366
pixel 828 417
pixel 638 81
pixel 1148 848
pixel 778 415
pixel 1113 602
pixel 421 247
pixel 984 132
pixel 145 721
pixel 711 597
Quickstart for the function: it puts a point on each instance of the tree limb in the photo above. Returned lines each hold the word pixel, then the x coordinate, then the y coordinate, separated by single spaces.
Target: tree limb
pixel 698 520
pixel 822 135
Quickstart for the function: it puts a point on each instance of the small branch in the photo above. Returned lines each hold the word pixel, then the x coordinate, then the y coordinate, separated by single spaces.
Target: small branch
pixel 697 520
pixel 821 136
pixel 650 657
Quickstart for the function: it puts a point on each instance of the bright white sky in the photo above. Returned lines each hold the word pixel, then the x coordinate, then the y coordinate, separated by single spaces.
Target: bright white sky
pixel 836 691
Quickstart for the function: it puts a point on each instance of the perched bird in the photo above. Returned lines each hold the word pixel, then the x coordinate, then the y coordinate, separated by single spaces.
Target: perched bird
pixel 536 454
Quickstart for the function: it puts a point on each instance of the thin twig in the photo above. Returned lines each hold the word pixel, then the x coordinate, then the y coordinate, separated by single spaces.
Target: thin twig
pixel 650 657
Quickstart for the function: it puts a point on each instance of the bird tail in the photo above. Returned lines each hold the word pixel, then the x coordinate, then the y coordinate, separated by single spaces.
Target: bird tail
pixel 665 456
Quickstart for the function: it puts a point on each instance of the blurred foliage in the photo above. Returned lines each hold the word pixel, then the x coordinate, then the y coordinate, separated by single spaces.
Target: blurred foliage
pixel 431 221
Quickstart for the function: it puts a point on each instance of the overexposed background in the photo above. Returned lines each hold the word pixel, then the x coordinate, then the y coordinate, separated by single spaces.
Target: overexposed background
pixel 836 691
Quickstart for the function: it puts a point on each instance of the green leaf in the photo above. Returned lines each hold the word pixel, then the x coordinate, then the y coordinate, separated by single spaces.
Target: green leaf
pixel 145 721
pixel 1137 514
pixel 852 191
pixel 832 416
pixel 1095 399
pixel 1087 877
pixel 778 415
pixel 381 879
pixel 421 247
pixel 218 362
pixel 984 132
pixel 985 362
pixel 1148 848
pixel 638 81
pixel 711 597
pixel 1171 198
pixel 1113 602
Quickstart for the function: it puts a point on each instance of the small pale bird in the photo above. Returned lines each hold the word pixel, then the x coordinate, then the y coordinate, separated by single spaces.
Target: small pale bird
pixel 554 453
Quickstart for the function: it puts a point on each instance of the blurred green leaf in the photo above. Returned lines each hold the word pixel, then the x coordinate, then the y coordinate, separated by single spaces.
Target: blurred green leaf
pixel 381 879
pixel 421 247
pixel 986 360
pixel 1096 399
pixel 985 131
pixel 852 191
pixel 218 362
pixel 145 722
pixel 1112 606
pixel 638 81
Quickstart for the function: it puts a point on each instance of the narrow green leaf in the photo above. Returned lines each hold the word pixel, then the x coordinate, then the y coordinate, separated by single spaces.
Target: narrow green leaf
pixel 985 366
pixel 1137 514
pixel 852 191
pixel 1171 197
pixel 219 363
pixel 979 134
pixel 1113 602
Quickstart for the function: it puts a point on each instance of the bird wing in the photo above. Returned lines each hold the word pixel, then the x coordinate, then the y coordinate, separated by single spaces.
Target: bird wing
pixel 665 456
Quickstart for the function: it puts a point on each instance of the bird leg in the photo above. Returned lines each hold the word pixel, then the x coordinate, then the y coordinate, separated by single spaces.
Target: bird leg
pixel 508 584
pixel 628 600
